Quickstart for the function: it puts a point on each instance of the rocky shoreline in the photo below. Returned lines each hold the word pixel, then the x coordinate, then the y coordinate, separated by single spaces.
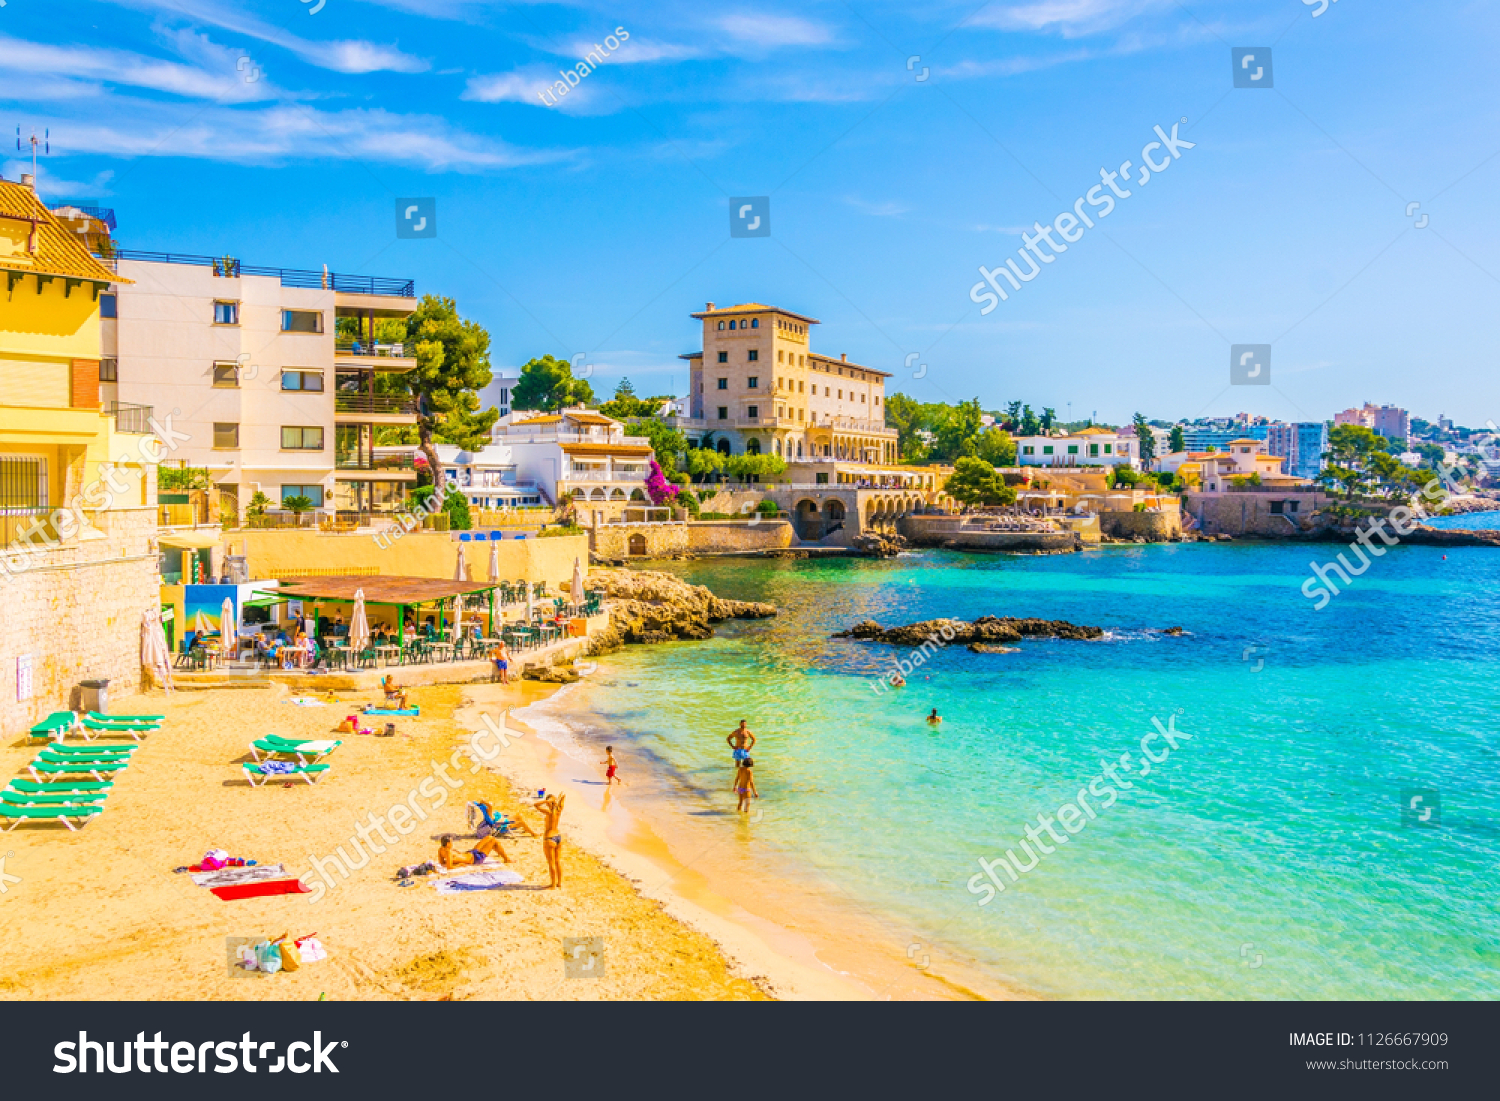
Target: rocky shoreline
pixel 647 606
pixel 985 635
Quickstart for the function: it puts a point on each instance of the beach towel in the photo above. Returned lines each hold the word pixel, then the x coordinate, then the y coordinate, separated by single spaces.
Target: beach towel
pixel 259 890
pixel 389 711
pixel 314 747
pixel 280 768
pixel 304 701
pixel 478 881
pixel 228 877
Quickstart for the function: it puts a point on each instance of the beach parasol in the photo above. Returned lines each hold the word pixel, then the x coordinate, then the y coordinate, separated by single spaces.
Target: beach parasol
pixel 530 603
pixel 494 563
pixel 458 617
pixel 228 625
pixel 577 591
pixel 359 625
pixel 200 624
pixel 460 567
pixel 154 653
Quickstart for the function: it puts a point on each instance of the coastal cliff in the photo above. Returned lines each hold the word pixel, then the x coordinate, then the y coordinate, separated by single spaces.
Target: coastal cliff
pixel 647 606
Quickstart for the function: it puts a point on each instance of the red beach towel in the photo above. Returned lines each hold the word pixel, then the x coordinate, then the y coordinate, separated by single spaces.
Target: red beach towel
pixel 264 887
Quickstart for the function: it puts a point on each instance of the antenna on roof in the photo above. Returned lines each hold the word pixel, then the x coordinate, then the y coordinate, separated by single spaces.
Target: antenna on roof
pixel 45 142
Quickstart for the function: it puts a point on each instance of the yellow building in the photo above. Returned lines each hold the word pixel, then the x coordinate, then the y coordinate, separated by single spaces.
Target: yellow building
pixel 77 481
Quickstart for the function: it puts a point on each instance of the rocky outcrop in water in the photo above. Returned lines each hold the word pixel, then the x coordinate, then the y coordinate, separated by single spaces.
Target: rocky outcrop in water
pixel 648 606
pixel 987 630
pixel 876 545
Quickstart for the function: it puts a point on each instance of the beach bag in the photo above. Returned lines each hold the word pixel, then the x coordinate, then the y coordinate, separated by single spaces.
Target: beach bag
pixel 310 949
pixel 291 958
pixel 214 859
pixel 267 957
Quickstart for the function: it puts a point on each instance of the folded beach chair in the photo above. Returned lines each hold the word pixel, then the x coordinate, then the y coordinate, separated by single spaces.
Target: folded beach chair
pixel 17 815
pixel 306 752
pixel 61 787
pixel 33 798
pixel 98 768
pixel 100 717
pixel 55 725
pixel 267 772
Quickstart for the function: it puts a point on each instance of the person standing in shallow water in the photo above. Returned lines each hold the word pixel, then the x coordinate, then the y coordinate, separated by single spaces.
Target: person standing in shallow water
pixel 744 784
pixel 741 740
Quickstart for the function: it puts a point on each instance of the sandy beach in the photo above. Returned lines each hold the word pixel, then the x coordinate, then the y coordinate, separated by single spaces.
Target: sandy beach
pixel 104 916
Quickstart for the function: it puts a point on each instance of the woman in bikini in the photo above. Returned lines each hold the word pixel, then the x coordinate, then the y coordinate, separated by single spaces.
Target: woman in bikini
pixel 487 847
pixel 744 784
pixel 552 808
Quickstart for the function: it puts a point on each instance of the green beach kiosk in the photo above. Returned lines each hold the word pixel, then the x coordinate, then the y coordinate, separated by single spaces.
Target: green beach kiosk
pixel 404 594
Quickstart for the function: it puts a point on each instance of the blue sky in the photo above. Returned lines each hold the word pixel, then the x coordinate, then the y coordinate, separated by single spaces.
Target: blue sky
pixel 284 135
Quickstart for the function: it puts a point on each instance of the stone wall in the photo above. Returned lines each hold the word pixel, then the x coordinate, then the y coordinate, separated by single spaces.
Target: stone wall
pixel 1241 513
pixel 1154 527
pixel 639 540
pixel 734 500
pixel 76 611
pixel 738 536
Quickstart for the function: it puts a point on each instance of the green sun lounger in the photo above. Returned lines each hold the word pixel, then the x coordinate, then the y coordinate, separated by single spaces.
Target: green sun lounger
pixel 90 728
pixel 59 787
pixel 100 717
pixel 57 749
pixel 274 746
pixel 55 725
pixel 95 767
pixel 310 773
pixel 17 815
pixel 36 798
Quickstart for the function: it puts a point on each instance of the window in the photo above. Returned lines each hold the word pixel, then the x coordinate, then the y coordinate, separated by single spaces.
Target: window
pixel 801 387
pixel 877 399
pixel 731 325
pixel 109 306
pixel 721 325
pixel 1072 449
pixel 723 357
pixel 1106 449
pixel 23 481
pixel 752 411
pixel 109 369
pixel 313 493
pixel 780 356
pixel 754 355
pixel 1046 449
pixel 862 399
pixel 226 435
pixel 723 384
pixel 226 313
pixel 301 321
pixel 841 393
pixel 226 376
pixel 723 412
pixel 305 381
pixel 298 438
pixel 1093 449
pixel 755 322
pixel 1028 450
pixel 753 382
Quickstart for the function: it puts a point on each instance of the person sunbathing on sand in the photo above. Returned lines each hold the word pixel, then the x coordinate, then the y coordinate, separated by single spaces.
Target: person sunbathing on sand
pixel 487 847
pixel 394 693
pixel 552 808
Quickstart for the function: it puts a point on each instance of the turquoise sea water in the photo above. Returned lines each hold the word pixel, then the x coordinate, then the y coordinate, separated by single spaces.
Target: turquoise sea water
pixel 1273 835
pixel 1468 521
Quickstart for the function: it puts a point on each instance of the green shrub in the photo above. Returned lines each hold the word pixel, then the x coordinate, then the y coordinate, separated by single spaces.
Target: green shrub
pixel 559 529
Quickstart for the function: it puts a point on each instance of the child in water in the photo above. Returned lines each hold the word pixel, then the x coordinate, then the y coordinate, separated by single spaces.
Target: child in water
pixel 744 784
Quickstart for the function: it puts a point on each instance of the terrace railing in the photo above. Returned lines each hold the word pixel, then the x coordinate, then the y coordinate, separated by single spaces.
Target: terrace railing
pixel 374 404
pixel 134 419
pixel 228 267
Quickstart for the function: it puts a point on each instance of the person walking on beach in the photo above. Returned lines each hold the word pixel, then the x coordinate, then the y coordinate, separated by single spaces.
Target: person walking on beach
pixel 487 847
pixel 744 784
pixel 501 657
pixel 610 779
pixel 741 741
pixel 552 808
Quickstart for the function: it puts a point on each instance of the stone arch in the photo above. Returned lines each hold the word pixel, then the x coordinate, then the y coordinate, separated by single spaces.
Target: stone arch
pixel 617 494
pixel 835 510
pixel 809 522
pixel 799 449
pixel 724 447
pixel 637 544
pixel 596 494
pixel 752 446
pixel 778 448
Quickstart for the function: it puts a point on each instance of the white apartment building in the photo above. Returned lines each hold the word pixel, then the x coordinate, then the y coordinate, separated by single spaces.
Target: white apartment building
pixel 497 394
pixel 1088 447
pixel 581 452
pixel 273 375
pixel 488 477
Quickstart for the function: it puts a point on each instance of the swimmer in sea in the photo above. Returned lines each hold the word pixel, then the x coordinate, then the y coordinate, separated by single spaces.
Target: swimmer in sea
pixel 934 719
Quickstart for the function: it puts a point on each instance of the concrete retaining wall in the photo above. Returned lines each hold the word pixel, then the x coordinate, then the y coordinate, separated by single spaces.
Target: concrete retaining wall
pixel 738 536
pixel 1154 527
pixel 638 540
pixel 951 531
pixel 1232 513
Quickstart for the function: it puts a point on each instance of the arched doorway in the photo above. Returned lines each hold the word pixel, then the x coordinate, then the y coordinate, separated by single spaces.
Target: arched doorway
pixel 752 446
pixel 809 522
pixel 637 545
pixel 724 447
pixel 835 517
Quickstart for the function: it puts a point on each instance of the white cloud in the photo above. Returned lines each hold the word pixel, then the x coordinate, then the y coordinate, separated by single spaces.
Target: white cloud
pixel 1070 17
pixel 53 187
pixel 887 209
pixel 119 67
pixel 767 31
pixel 274 135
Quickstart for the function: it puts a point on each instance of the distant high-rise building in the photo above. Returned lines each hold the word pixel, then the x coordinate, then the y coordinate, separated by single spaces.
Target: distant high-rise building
pixel 1389 421
pixel 1218 439
pixel 1302 445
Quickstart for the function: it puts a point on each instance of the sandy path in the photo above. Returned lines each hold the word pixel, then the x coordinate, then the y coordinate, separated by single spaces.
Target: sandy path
pixel 99 913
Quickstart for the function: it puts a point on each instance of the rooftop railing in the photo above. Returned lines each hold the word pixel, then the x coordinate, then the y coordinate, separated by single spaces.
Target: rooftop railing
pixel 228 267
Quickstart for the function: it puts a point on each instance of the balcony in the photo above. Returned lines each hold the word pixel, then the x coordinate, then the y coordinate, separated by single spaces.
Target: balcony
pixel 133 419
pixel 227 267
pixel 375 404
pixel 29 522
pixel 624 476
pixel 375 463
pixel 374 356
